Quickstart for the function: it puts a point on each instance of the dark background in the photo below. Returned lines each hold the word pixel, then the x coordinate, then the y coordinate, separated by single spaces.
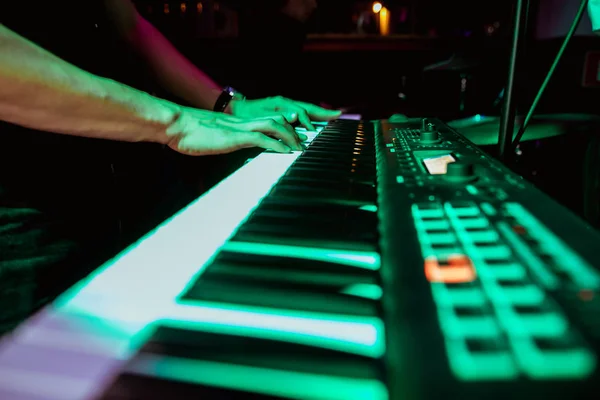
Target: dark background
pixel 378 76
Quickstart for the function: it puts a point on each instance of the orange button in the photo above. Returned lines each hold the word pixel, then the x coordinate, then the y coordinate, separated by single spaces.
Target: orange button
pixel 457 268
pixel 519 229
pixel 586 295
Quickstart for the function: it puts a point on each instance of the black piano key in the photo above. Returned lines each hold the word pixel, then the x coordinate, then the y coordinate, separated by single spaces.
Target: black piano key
pixel 258 352
pixel 339 152
pixel 328 165
pixel 179 364
pixel 129 386
pixel 265 278
pixel 336 175
pixel 325 227
pixel 343 133
pixel 325 158
pixel 283 296
pixel 351 233
pixel 308 213
pixel 319 197
pixel 333 144
pixel 324 183
pixel 327 184
pixel 326 195
pixel 338 156
pixel 285 288
pixel 336 142
pixel 272 203
pixel 271 235
pixel 229 265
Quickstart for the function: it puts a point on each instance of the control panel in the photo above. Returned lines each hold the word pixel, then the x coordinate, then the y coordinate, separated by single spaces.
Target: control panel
pixel 430 155
pixel 504 273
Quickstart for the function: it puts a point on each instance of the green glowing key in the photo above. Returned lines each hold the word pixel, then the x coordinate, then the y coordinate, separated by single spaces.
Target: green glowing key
pixel 427 210
pixel 480 363
pixel 560 358
pixel 532 321
pixel 446 296
pixel 523 293
pixel 455 327
pixel 465 209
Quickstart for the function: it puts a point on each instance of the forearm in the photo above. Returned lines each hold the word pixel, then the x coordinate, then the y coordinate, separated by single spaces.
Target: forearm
pixel 175 73
pixel 39 90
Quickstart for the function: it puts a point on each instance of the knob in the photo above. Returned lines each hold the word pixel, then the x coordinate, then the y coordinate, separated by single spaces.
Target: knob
pixel 429 135
pixel 460 172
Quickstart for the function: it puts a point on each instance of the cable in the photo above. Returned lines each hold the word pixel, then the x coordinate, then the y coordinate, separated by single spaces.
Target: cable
pixel 534 105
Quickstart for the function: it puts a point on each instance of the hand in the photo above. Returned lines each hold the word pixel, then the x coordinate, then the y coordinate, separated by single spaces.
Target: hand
pixel 292 110
pixel 197 132
pixel 212 116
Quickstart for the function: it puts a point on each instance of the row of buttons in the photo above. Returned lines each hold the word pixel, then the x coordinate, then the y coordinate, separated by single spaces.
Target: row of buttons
pixel 497 322
pixel 407 133
pixel 558 260
pixel 406 163
pixel 471 231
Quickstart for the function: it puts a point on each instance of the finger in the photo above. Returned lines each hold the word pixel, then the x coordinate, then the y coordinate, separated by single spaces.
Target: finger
pixel 285 132
pixel 304 119
pixel 244 140
pixel 279 118
pixel 317 113
pixel 302 136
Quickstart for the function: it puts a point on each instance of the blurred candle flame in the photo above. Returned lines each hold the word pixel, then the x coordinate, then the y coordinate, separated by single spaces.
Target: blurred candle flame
pixel 384 21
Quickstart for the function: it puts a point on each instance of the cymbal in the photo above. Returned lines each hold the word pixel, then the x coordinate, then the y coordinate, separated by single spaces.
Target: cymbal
pixel 483 130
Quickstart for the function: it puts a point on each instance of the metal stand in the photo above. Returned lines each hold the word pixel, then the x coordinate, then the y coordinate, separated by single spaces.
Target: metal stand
pixel 507 120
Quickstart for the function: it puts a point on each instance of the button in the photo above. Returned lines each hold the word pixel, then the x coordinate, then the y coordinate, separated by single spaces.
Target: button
pixel 460 172
pixel 428 210
pixel 481 360
pixel 452 295
pixel 462 327
pixel 435 225
pixel 454 269
pixel 472 223
pixel 482 236
pixel 215 361
pixel 464 209
pixel 562 357
pixel 541 320
pixel 518 293
pixel 490 251
pixel 442 238
pixel 488 209
pixel 505 270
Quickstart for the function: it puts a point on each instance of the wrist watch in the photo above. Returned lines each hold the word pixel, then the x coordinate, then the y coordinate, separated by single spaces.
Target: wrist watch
pixel 227 95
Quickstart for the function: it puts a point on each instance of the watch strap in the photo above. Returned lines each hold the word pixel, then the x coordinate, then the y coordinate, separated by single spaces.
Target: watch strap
pixel 227 95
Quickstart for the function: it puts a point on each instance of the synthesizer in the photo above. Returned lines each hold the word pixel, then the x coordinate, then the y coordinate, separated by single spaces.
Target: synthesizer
pixel 386 261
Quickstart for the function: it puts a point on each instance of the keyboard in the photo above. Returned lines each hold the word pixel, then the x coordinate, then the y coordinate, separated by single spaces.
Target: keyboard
pixel 386 261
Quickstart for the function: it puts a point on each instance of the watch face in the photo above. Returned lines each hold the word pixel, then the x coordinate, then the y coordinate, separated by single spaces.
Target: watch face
pixel 235 95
